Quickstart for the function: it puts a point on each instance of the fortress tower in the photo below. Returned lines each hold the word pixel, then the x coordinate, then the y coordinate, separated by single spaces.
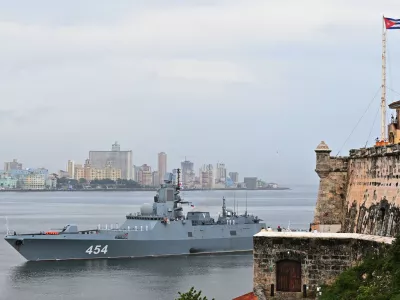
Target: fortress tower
pixel 330 210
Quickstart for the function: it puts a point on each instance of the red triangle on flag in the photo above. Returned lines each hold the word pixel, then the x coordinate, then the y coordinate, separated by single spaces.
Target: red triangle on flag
pixel 389 23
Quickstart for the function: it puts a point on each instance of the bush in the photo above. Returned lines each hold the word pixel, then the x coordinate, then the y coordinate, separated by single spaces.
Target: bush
pixel 192 295
pixel 377 277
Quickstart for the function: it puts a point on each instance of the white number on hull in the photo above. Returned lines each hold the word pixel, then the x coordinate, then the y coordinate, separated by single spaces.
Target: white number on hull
pixel 97 249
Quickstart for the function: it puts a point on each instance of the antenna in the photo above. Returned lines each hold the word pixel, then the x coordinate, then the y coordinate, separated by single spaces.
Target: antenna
pixel 234 201
pixel 246 206
pixel 8 230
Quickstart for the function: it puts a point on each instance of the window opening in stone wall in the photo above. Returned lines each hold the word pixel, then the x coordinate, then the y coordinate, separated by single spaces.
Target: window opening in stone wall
pixel 288 276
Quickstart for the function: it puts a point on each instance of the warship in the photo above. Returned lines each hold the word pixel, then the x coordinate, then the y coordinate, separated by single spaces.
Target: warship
pixel 159 229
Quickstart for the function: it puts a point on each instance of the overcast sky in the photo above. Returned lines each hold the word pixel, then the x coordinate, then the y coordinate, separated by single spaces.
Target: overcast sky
pixel 254 84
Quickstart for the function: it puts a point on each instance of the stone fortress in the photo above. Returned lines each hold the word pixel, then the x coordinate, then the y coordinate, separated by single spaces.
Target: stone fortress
pixel 357 213
pixel 360 193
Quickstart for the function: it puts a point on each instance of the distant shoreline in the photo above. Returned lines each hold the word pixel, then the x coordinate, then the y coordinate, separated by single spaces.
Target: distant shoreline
pixel 144 190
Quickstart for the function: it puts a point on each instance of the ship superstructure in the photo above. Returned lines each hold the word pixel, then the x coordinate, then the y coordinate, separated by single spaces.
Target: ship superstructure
pixel 158 229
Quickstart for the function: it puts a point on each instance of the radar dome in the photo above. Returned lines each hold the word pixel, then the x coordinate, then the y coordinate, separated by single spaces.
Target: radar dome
pixel 146 209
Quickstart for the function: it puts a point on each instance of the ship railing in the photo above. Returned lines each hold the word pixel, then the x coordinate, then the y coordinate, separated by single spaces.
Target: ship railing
pixel 10 232
pixel 116 228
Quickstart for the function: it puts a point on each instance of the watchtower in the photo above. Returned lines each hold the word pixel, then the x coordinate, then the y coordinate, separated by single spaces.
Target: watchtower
pixel 323 160
pixel 330 210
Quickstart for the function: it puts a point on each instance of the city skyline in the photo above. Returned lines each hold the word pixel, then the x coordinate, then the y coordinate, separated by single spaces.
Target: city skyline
pixel 117 164
pixel 162 158
pixel 227 86
pixel 15 176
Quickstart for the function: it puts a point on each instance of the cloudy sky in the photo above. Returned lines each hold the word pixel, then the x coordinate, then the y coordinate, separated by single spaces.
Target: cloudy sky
pixel 254 84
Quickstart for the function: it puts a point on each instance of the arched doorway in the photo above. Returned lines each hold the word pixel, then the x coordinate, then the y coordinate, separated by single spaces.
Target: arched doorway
pixel 288 276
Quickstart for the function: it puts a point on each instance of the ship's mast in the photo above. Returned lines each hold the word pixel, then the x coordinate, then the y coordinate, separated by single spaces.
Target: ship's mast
pixel 178 186
pixel 245 213
pixel 383 98
pixel 223 207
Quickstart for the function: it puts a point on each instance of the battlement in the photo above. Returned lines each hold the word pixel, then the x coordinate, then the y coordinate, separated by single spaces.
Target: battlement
pixel 391 149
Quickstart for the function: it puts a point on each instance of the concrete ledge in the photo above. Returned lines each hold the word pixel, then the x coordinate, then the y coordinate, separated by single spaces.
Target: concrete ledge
pixel 326 235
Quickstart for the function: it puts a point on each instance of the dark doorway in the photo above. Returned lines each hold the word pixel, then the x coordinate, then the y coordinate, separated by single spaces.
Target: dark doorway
pixel 288 276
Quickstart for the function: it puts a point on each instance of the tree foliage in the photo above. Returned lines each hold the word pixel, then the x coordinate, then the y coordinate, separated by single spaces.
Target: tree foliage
pixel 377 277
pixel 68 183
pixel 192 294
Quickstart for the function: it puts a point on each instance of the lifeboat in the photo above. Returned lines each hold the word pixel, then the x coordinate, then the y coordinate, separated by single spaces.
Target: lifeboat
pixel 52 233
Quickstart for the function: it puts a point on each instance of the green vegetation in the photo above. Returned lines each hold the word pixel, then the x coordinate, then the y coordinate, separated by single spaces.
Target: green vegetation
pixel 82 183
pixel 377 277
pixel 192 295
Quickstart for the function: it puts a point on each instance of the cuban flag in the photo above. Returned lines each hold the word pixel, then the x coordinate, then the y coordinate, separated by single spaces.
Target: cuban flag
pixel 392 23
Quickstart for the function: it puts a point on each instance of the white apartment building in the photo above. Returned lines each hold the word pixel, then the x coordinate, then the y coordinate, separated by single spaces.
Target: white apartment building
pixel 34 182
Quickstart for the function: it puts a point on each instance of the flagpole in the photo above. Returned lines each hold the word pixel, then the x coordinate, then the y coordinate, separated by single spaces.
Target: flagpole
pixel 383 98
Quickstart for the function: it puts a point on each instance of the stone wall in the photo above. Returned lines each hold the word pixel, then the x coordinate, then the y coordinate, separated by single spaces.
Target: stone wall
pixel 322 256
pixel 373 202
pixel 359 193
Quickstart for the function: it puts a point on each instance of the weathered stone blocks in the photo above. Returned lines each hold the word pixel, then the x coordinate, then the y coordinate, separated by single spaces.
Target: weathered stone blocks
pixel 359 193
pixel 322 256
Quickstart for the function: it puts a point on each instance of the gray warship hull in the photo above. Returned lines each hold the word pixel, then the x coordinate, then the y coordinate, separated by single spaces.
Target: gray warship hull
pixel 39 247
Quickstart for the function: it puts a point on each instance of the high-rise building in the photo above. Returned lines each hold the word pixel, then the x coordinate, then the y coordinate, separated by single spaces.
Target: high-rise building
pixel 155 178
pixel 207 179
pixel 162 167
pixel 118 159
pixel 220 172
pixel 135 175
pixel 234 176
pixel 187 173
pixel 12 165
pixel 145 176
pixel 91 173
pixel 71 168
pixel 79 171
pixel 34 181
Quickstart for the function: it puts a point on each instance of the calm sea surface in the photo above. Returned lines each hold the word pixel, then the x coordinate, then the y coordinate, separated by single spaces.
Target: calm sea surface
pixel 219 276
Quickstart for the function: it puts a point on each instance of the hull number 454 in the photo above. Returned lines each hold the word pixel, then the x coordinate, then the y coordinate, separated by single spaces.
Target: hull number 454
pixel 97 249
